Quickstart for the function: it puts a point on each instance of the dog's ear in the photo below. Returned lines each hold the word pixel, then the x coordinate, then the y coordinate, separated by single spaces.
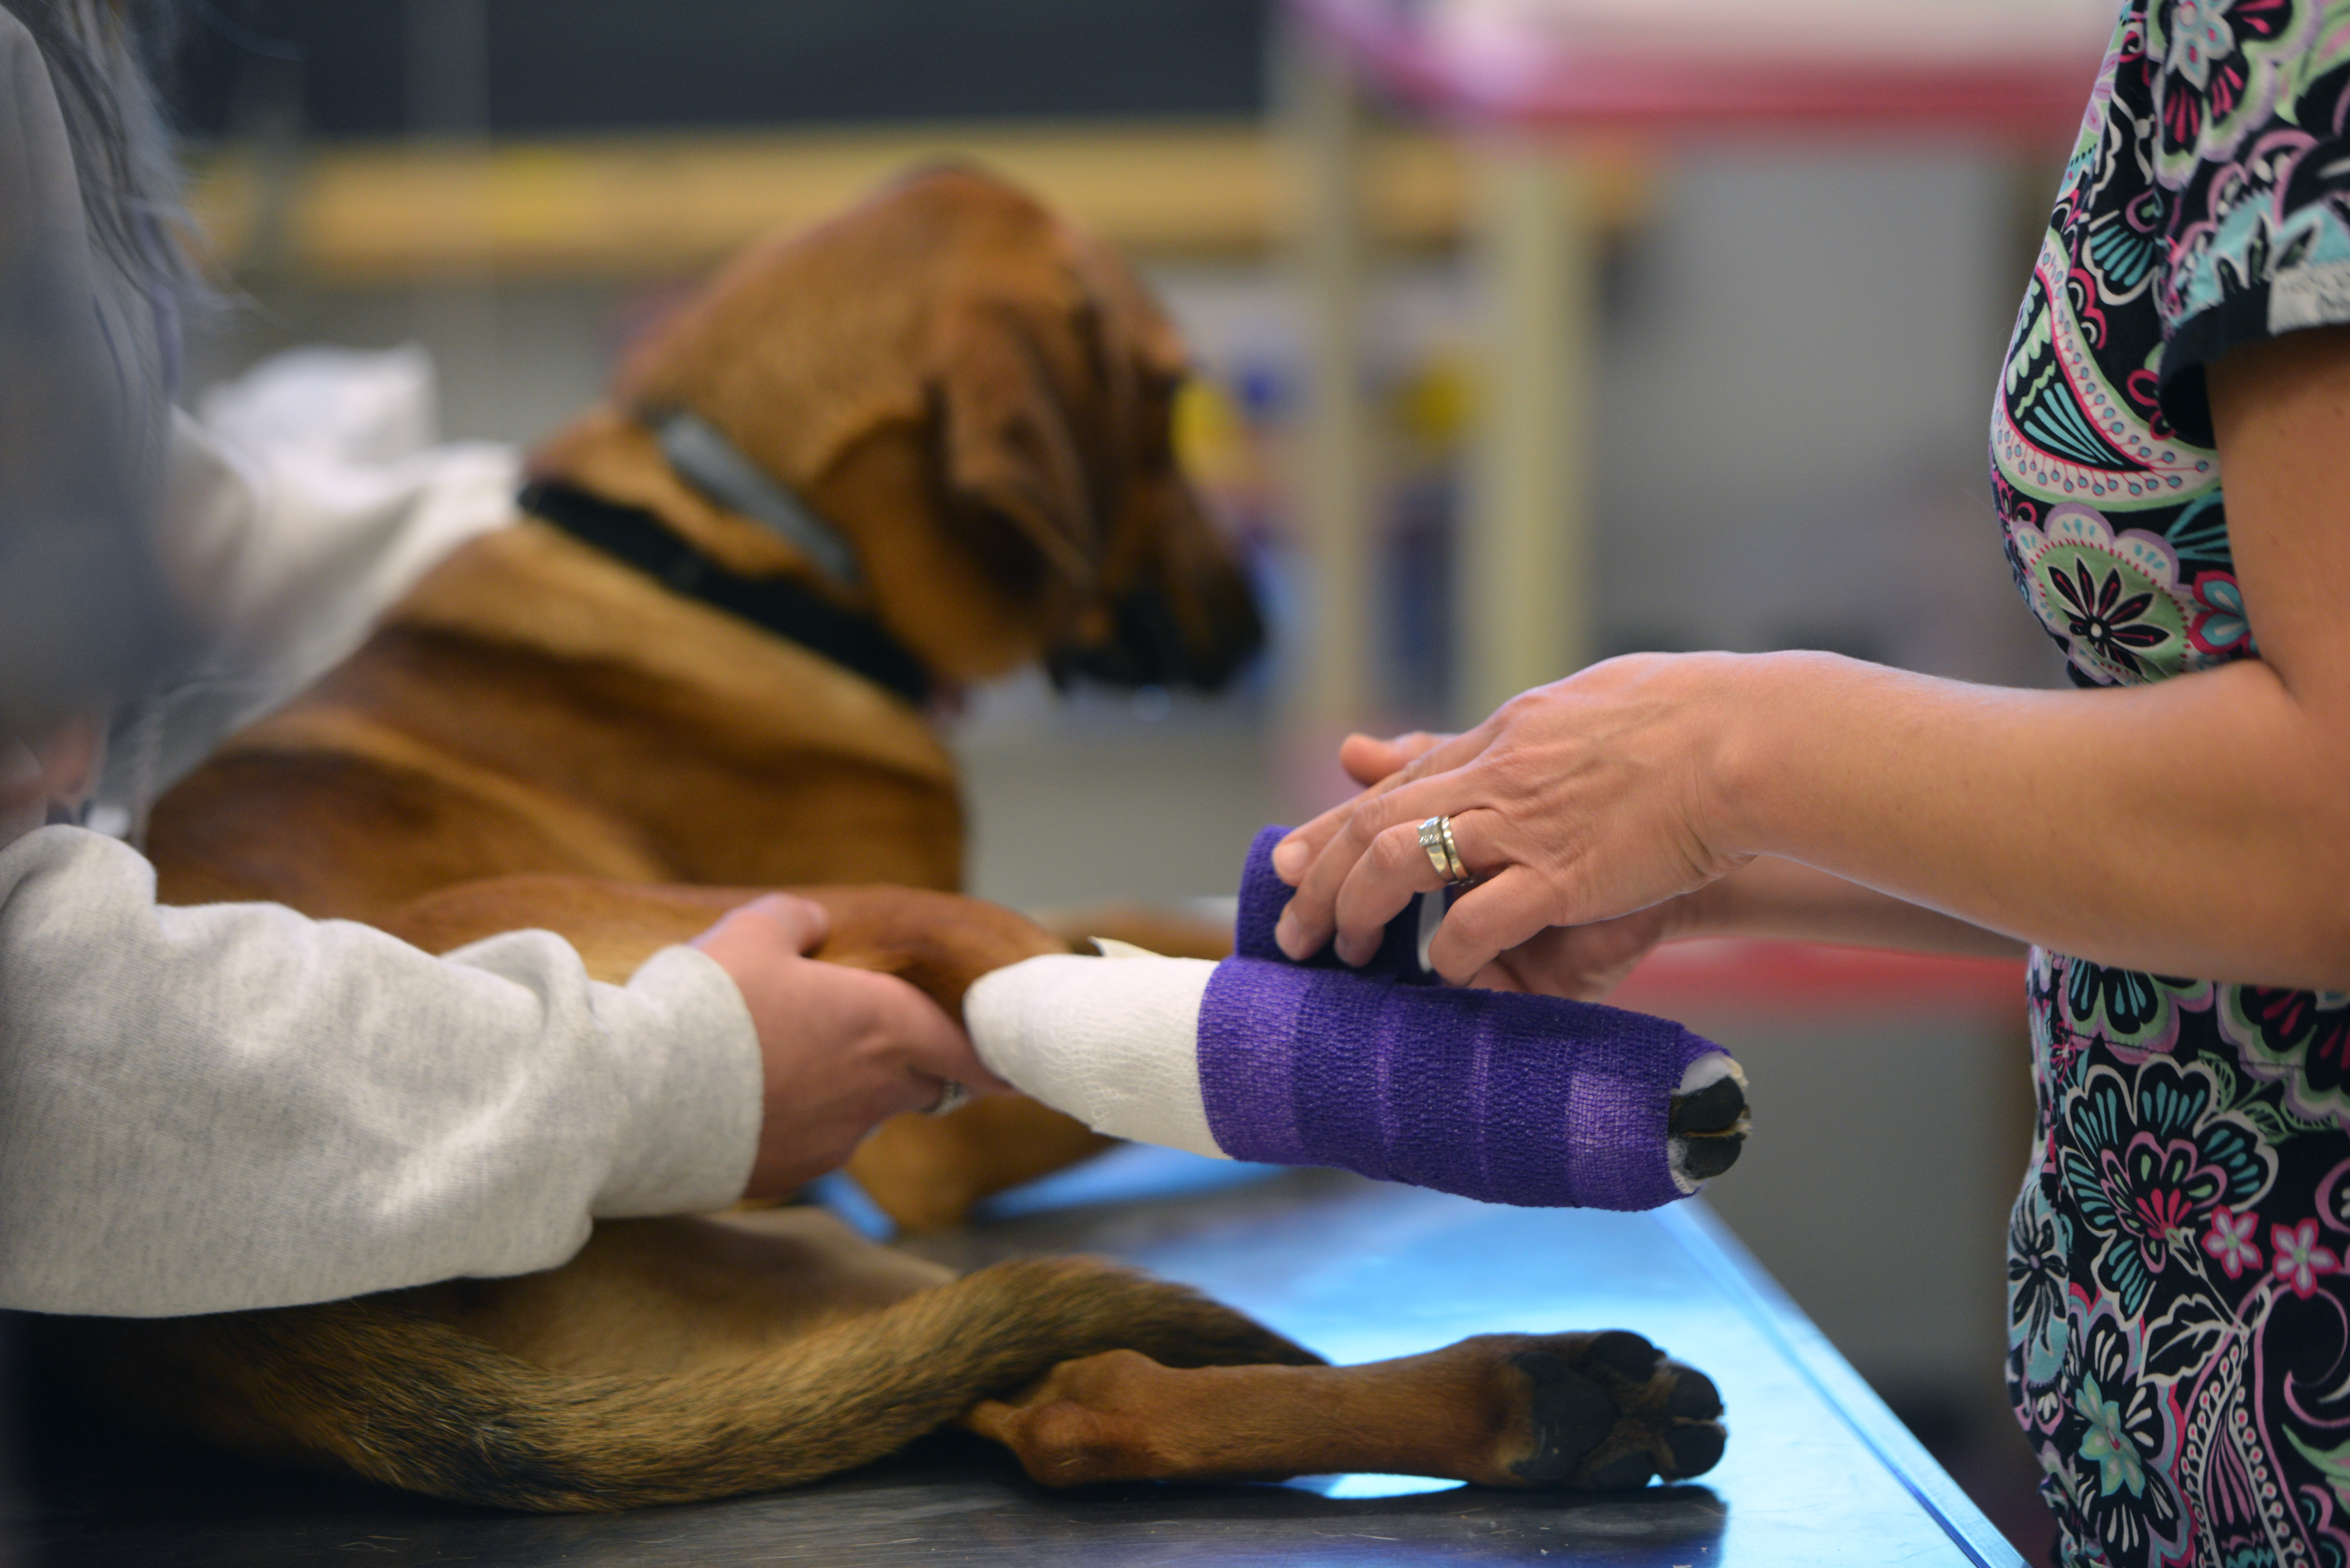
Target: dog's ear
pixel 1011 450
pixel 1137 331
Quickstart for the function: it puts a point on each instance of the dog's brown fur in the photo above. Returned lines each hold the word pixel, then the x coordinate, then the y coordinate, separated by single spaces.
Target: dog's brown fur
pixel 539 737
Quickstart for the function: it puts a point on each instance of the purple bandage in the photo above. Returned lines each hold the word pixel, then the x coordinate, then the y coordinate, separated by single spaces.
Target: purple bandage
pixel 1492 1094
pixel 1264 894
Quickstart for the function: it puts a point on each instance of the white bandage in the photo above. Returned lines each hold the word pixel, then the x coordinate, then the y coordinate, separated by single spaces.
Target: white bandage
pixel 1709 1070
pixel 1113 1041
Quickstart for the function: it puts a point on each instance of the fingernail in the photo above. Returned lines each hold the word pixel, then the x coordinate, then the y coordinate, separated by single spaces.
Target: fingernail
pixel 1289 860
pixel 1284 934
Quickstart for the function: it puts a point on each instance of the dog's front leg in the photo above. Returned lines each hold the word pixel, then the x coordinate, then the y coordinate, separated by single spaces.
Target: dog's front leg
pixel 1581 1410
pixel 925 1172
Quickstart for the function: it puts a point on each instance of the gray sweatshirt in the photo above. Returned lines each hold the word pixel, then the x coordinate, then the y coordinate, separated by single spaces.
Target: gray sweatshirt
pixel 205 1109
pixel 234 1106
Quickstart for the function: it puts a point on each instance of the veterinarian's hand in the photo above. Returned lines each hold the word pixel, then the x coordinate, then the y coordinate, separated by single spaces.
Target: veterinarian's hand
pixel 1582 963
pixel 844 1048
pixel 1577 805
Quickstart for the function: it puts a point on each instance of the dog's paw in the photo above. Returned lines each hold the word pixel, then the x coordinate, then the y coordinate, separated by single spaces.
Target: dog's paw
pixel 1708 1122
pixel 1603 1411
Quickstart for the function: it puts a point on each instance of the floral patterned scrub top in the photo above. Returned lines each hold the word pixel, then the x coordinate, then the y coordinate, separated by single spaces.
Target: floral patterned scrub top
pixel 2178 1331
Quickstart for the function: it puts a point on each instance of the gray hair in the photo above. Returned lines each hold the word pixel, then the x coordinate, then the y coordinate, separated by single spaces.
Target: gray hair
pixel 102 55
pixel 86 618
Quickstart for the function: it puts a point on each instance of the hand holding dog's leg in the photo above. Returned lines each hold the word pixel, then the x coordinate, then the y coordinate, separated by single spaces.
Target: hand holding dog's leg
pixel 843 1048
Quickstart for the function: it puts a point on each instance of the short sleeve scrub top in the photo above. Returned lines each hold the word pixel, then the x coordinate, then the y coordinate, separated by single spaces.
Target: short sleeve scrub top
pixel 2178 1260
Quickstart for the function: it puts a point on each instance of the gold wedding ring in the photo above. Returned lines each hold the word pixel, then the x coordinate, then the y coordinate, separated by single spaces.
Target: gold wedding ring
pixel 1435 841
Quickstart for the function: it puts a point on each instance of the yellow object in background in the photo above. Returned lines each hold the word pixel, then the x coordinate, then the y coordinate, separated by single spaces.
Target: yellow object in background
pixel 1434 404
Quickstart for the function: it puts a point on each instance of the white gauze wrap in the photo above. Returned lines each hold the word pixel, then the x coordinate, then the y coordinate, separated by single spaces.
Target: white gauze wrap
pixel 1113 1041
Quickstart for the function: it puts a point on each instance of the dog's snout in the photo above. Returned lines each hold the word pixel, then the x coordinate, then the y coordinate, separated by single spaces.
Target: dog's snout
pixel 1150 643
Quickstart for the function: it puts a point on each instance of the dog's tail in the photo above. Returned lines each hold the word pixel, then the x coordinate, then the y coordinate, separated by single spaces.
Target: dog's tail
pixel 405 1400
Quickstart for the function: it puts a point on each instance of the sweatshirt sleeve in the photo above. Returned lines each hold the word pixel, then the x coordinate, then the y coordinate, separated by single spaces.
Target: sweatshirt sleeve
pixel 282 547
pixel 233 1107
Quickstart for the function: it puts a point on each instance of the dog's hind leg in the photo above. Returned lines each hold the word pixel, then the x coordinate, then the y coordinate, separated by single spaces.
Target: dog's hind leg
pixel 1584 1410
pixel 400 1398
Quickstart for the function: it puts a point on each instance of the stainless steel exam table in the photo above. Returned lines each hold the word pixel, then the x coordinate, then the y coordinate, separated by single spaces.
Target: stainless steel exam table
pixel 1817 1472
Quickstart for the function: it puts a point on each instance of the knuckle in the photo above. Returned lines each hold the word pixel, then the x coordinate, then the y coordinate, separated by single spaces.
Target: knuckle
pixel 1523 707
pixel 1389 851
pixel 1470 922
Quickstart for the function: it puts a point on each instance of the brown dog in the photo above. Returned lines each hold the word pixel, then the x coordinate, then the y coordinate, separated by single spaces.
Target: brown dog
pixel 679 1359
pixel 972 396
pixel 976 400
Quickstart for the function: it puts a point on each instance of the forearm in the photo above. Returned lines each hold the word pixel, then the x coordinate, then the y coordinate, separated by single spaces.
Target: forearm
pixel 216 1108
pixel 2196 826
pixel 1778 898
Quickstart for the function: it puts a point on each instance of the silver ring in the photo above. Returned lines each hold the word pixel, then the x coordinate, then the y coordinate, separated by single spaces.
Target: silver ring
pixel 951 1098
pixel 1436 842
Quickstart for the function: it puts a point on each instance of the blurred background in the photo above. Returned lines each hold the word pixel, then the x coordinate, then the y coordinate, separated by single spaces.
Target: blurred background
pixel 1482 404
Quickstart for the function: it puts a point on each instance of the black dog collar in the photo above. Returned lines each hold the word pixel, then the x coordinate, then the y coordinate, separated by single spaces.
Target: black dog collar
pixel 638 537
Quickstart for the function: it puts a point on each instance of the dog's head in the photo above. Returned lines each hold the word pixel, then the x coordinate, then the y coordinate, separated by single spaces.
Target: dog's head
pixel 978 397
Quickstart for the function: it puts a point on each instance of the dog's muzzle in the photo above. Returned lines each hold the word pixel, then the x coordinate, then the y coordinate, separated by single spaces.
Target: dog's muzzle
pixel 1147 646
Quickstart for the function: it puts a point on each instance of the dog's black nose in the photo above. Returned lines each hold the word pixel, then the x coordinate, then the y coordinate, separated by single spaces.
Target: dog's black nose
pixel 1149 645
